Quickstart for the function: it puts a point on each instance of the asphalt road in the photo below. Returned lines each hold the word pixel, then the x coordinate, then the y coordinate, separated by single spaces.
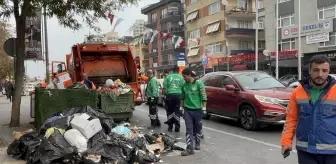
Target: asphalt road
pixel 225 142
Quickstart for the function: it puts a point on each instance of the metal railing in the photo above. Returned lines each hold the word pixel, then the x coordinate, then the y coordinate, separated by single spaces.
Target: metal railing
pixel 239 9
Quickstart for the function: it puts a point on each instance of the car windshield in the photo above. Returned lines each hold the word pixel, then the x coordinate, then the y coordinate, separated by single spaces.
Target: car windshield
pixel 258 81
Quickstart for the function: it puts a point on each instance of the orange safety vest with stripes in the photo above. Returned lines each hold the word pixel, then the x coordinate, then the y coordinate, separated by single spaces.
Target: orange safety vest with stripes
pixel 313 123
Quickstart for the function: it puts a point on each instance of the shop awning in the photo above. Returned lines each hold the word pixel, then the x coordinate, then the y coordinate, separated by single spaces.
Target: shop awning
pixel 193 52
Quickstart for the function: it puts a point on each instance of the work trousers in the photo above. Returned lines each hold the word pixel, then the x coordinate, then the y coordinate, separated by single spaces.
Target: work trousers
pixel 309 158
pixel 153 111
pixel 193 121
pixel 173 110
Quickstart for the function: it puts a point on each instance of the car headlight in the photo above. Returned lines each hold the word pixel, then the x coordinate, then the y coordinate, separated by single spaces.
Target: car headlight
pixel 268 100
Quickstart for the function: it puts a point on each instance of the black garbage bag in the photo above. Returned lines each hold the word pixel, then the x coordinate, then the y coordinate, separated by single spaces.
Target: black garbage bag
pixel 25 147
pixel 113 149
pixel 143 157
pixel 97 140
pixel 168 140
pixel 105 120
pixel 56 149
pixel 60 122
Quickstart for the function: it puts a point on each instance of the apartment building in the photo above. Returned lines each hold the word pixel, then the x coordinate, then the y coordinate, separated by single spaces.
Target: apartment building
pixel 138 27
pixel 165 16
pixel 222 30
pixel 140 49
pixel 318 26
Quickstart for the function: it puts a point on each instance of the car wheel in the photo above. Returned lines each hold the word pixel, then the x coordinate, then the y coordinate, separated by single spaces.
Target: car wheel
pixel 248 118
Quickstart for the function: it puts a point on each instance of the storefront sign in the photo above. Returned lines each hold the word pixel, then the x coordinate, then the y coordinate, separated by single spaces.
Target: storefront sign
pixel 324 37
pixel 181 63
pixel 287 54
pixel 323 26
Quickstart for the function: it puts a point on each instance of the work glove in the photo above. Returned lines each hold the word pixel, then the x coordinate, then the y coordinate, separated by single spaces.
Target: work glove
pixel 204 111
pixel 182 110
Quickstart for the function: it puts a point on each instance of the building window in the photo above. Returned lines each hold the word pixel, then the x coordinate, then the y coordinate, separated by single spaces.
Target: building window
pixel 327 12
pixel 214 8
pixel 282 1
pixel 164 13
pixel 287 44
pixel 331 42
pixel 260 4
pixel 261 45
pixel 153 17
pixel 287 20
pixel 214 48
pixel 261 25
pixel 244 24
pixel 193 1
pixel 243 45
pixel 195 34
pixel 242 4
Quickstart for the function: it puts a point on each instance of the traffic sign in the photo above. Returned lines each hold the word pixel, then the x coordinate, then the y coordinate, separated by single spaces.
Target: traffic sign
pixel 204 60
pixel 181 56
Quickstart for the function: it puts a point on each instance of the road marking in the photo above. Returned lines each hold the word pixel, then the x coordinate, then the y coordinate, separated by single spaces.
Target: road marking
pixel 230 134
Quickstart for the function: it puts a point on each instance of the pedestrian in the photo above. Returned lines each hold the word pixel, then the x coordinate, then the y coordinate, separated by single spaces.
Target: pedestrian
pixel 152 92
pixel 311 115
pixel 172 88
pixel 193 105
pixel 10 91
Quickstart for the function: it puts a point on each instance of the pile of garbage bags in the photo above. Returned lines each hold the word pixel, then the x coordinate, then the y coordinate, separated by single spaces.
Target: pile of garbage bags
pixel 88 136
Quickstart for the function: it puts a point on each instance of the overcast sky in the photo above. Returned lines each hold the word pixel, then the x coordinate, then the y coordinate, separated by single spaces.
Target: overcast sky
pixel 61 39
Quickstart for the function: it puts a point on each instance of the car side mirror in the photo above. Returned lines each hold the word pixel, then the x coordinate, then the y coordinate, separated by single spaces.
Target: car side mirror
pixel 231 88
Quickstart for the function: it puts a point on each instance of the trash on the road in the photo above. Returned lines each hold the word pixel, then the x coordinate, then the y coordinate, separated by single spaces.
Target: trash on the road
pixel 89 136
pixel 87 125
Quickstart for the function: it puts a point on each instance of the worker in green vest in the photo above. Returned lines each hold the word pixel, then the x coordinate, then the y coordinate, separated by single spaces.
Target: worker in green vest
pixel 172 87
pixel 193 106
pixel 152 92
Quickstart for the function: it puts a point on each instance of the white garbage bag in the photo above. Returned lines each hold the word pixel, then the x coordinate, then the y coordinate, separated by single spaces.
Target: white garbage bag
pixel 75 138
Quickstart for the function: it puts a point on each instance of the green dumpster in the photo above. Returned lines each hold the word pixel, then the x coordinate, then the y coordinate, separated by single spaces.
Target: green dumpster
pixel 51 101
pixel 118 107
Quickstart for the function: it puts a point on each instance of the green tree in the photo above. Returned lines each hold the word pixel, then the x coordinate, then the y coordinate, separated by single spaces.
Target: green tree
pixel 65 10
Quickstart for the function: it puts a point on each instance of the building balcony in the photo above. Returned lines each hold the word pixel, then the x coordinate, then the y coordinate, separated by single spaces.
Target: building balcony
pixel 171 17
pixel 151 54
pixel 240 12
pixel 151 24
pixel 246 51
pixel 240 33
pixel 170 49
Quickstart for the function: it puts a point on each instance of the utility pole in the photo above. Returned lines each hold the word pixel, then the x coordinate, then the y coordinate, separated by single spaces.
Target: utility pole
pixel 277 41
pixel 256 35
pixel 299 40
pixel 46 46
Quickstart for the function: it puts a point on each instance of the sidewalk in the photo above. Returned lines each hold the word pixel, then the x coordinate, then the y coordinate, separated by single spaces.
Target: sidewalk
pixel 5 132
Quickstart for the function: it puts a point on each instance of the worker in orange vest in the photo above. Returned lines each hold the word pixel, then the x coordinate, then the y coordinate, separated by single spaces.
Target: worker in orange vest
pixel 87 82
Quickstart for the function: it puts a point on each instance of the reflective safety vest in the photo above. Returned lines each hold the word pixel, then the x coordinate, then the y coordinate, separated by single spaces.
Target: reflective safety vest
pixel 313 122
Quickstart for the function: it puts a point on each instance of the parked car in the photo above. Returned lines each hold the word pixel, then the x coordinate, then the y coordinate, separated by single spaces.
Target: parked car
pixel 250 97
pixel 296 83
pixel 288 79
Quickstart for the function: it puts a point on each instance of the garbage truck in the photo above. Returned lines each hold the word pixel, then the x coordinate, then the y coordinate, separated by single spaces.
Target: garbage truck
pixel 100 61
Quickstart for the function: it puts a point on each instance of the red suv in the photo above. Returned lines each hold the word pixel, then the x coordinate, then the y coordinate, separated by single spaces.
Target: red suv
pixel 252 97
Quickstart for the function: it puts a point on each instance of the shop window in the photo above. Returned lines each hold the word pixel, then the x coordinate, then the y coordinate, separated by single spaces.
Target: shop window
pixel 287 44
